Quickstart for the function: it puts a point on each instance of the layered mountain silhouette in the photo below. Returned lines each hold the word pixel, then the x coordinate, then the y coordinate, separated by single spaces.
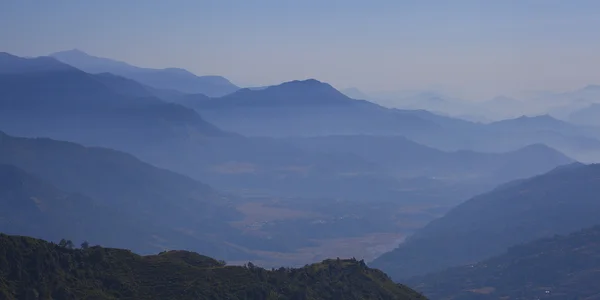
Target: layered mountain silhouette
pixel 171 78
pixel 313 108
pixel 560 267
pixel 303 108
pixel 112 111
pixel 581 143
pixel 17 65
pixel 66 103
pixel 558 202
pixel 536 123
pixel 405 158
pixel 104 110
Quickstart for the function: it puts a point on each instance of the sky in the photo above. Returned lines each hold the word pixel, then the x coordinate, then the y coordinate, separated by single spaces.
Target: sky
pixel 474 49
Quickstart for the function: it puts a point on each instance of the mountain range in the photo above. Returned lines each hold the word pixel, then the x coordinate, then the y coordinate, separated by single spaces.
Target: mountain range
pixel 558 202
pixel 312 108
pixel 407 159
pixel 303 108
pixel 170 78
pixel 97 150
pixel 107 110
pixel 67 103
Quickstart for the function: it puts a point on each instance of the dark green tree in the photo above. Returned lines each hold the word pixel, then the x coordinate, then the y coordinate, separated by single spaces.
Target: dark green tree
pixel 69 244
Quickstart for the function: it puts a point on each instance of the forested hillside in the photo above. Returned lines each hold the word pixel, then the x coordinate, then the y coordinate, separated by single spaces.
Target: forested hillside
pixel 559 202
pixel 35 269
pixel 560 267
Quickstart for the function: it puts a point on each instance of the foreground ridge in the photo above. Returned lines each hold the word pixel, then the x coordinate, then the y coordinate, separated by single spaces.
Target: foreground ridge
pixel 559 267
pixel 35 269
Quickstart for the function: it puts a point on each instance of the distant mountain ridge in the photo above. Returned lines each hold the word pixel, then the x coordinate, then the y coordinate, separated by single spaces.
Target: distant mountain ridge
pixel 540 122
pixel 558 202
pixel 303 108
pixel 12 64
pixel 170 78
pixel 406 158
pixel 62 101
pixel 312 108
pixel 104 110
pixel 293 93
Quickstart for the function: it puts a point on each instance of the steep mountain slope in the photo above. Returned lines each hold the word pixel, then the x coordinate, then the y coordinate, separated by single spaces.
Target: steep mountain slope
pixel 560 267
pixel 171 78
pixel 304 108
pixel 104 273
pixel 558 202
pixel 405 158
pixel 127 185
pixel 31 206
pixel 66 103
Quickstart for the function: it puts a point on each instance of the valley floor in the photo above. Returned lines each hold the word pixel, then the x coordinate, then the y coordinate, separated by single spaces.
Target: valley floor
pixel 317 229
pixel 366 247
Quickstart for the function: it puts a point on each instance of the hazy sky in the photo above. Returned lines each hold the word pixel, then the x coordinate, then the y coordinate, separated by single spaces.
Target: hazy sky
pixel 480 48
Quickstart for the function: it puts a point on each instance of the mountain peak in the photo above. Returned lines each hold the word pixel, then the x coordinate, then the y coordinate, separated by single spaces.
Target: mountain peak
pixel 310 92
pixel 73 51
pixel 306 83
pixel 306 91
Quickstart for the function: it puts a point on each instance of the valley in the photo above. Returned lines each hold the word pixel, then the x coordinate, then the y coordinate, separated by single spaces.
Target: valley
pixel 158 171
pixel 328 228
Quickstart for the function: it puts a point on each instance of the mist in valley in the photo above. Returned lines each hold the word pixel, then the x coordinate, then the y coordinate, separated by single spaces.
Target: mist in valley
pixel 438 155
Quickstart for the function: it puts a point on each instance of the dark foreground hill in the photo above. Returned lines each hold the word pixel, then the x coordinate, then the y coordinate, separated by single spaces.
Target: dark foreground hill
pixel 35 269
pixel 559 202
pixel 560 267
